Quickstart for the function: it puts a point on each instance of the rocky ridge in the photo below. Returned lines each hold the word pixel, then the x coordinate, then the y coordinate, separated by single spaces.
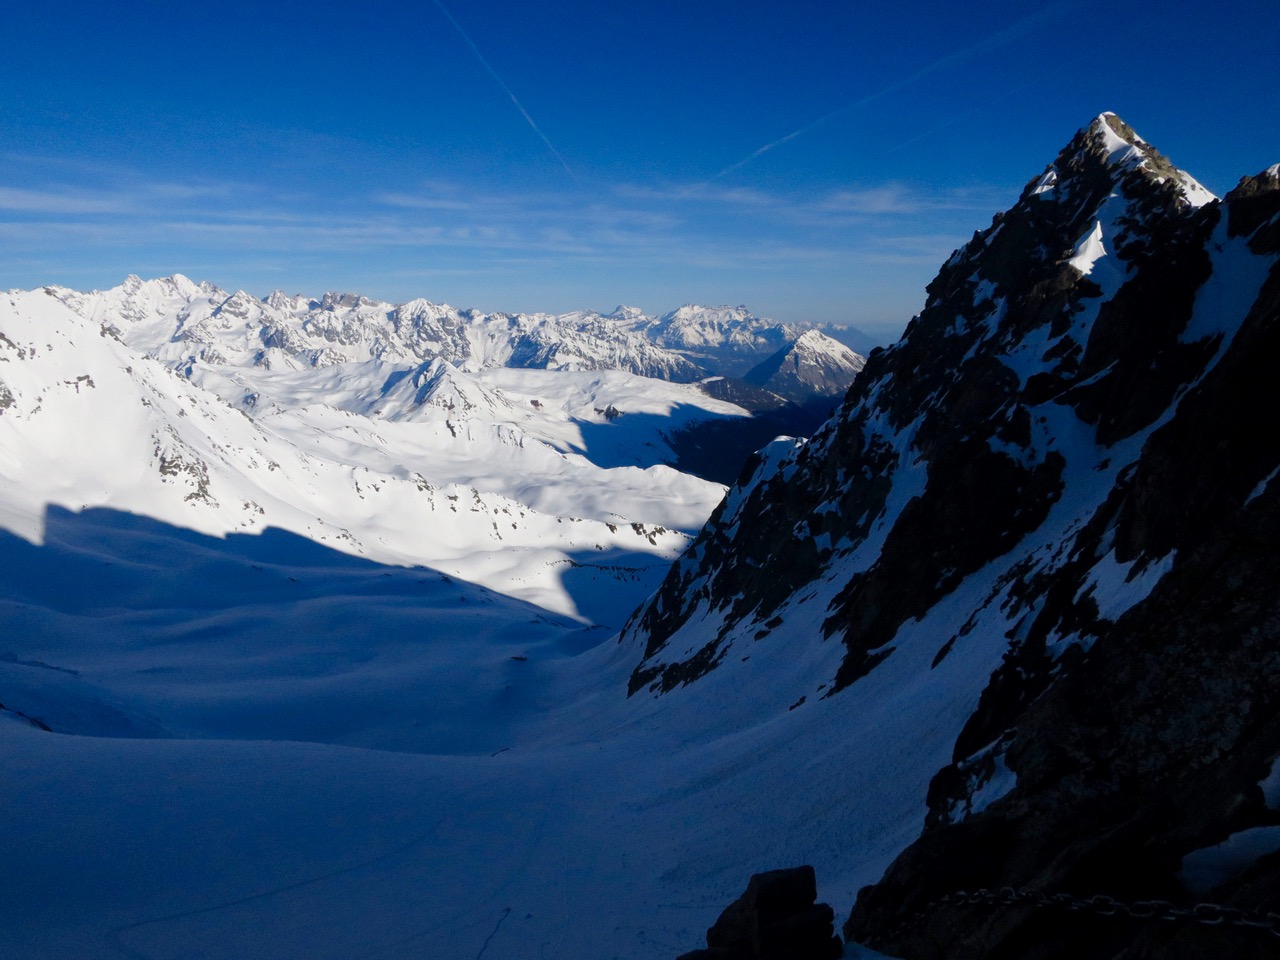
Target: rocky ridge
pixel 1054 473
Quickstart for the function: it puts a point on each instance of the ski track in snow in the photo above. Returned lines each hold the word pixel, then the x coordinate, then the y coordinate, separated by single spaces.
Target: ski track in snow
pixel 115 934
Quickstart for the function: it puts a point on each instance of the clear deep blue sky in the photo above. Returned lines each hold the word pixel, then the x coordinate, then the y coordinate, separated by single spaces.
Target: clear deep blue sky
pixel 576 153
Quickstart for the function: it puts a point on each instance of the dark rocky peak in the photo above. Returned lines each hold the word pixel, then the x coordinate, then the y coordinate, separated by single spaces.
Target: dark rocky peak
pixel 1098 260
pixel 1134 754
pixel 1252 207
pixel 950 448
pixel 1050 504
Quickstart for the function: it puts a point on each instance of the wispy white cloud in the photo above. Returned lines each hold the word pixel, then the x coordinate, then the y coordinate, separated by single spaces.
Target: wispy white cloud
pixel 248 234
pixel 412 201
pixel 890 198
pixel 130 196
pixel 833 208
pixel 55 202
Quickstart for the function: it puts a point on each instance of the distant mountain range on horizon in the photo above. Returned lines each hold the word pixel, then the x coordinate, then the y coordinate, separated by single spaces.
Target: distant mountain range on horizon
pixel 174 318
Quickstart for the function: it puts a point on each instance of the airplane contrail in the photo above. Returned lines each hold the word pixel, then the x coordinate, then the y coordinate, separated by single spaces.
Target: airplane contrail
pixel 519 106
pixel 1005 36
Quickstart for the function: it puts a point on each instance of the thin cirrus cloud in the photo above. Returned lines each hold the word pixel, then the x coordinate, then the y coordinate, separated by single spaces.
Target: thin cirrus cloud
pixel 62 202
pixel 132 199
pixel 836 207
pixel 248 234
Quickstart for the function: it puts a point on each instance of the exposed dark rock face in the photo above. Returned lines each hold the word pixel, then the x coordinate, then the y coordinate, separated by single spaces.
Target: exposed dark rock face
pixel 1069 454
pixel 1154 744
pixel 958 419
pixel 777 918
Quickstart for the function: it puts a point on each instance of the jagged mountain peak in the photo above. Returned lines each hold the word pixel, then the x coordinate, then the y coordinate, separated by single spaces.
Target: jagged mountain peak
pixel 175 284
pixel 441 387
pixel 1104 154
pixel 288 303
pixel 1058 306
pixel 812 364
pixel 624 312
pixel 817 341
pixel 1060 452
pixel 332 300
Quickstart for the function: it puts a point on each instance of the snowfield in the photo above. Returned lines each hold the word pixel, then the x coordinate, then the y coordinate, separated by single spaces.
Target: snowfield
pixel 316 661
pixel 275 749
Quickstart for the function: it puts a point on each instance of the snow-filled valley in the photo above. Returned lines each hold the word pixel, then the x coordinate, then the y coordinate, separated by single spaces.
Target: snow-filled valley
pixel 312 658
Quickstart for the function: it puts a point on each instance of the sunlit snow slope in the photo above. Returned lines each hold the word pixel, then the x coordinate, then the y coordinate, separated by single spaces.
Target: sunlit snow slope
pixel 403 464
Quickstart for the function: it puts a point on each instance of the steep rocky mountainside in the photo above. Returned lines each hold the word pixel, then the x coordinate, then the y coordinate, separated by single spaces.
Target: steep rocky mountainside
pixel 1055 491
pixel 1148 769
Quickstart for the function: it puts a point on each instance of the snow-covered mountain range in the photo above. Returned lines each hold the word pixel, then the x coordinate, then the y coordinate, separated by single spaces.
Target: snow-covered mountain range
pixel 178 321
pixel 298 521
pixel 498 434
pixel 299 656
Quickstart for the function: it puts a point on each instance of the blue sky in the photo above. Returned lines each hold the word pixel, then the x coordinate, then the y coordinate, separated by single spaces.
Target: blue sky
pixel 812 160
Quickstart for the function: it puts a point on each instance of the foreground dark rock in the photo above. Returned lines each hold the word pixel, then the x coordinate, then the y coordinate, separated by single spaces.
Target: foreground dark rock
pixel 777 918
